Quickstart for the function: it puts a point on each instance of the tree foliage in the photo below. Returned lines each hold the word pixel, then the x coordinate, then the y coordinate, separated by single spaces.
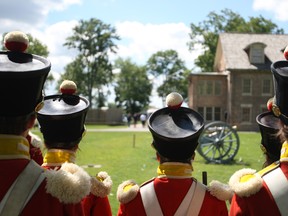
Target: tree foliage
pixel 207 32
pixel 37 47
pixel 168 66
pixel 94 41
pixel 132 88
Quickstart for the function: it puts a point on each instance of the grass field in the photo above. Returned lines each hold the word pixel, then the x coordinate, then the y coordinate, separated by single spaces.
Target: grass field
pixel 128 155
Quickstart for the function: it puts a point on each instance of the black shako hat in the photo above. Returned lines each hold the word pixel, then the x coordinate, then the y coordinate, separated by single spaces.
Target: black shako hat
pixel 22 77
pixel 269 126
pixel 62 117
pixel 175 129
pixel 279 70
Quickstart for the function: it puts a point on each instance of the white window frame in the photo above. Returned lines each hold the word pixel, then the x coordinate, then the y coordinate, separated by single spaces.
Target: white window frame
pixel 270 87
pixel 250 87
pixel 249 106
pixel 256 53
pixel 213 113
pixel 203 85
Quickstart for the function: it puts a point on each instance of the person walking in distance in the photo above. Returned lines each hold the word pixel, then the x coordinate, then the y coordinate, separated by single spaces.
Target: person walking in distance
pixel 143 119
pixel 135 119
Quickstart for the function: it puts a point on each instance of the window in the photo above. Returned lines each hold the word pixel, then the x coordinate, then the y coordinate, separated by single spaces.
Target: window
pixel 201 87
pixel 210 113
pixel 266 87
pixel 209 87
pixel 246 113
pixel 201 111
pixel 217 113
pixel 246 86
pixel 217 88
pixel 257 53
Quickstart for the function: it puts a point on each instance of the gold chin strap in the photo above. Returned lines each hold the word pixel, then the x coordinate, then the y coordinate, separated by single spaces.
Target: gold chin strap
pixel 264 150
pixel 40 104
pixel 84 131
pixel 284 152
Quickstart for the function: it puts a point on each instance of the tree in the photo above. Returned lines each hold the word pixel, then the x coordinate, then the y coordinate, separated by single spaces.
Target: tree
pixel 168 66
pixel 207 32
pixel 94 41
pixel 132 88
pixel 73 71
pixel 38 48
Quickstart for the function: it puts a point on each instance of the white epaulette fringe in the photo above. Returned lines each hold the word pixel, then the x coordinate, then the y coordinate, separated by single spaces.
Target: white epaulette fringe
pixel 102 187
pixel 70 184
pixel 245 188
pixel 127 191
pixel 220 190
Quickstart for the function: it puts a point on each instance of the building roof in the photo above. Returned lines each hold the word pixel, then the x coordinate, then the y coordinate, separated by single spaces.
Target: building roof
pixel 232 49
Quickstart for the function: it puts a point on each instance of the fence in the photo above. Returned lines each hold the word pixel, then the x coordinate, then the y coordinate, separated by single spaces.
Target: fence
pixel 113 116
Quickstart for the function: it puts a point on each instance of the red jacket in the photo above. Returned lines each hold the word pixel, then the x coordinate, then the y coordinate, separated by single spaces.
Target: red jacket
pixel 93 205
pixel 259 202
pixel 170 193
pixel 41 203
pixel 97 202
pixel 14 157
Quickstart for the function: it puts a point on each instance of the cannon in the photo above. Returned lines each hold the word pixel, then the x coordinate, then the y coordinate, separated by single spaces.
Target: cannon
pixel 219 142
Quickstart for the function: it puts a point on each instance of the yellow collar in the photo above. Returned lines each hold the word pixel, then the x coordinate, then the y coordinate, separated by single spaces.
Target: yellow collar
pixel 14 147
pixel 284 152
pixel 56 157
pixel 174 170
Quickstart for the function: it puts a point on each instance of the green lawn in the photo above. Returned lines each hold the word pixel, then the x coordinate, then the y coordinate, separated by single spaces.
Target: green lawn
pixel 128 155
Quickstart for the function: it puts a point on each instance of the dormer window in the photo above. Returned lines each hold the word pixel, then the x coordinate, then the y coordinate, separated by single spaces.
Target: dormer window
pixel 256 53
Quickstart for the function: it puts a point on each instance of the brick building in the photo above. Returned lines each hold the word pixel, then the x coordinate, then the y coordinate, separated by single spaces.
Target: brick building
pixel 242 82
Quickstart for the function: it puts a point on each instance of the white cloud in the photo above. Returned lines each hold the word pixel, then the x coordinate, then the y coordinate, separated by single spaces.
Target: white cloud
pixel 58 5
pixel 278 7
pixel 140 40
pixel 19 14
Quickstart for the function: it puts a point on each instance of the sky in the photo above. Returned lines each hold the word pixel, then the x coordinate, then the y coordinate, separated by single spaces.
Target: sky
pixel 144 27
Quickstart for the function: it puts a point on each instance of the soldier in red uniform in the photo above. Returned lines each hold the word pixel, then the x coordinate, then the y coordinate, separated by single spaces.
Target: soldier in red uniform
pixel 61 122
pixel 266 192
pixel 175 131
pixel 26 188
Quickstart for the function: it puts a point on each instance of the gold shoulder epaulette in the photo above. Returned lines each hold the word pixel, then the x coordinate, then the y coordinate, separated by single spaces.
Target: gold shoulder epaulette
pixel 127 191
pixel 245 182
pixel 70 184
pixel 101 184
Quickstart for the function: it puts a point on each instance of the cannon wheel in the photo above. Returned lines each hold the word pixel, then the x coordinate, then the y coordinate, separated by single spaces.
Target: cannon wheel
pixel 218 143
